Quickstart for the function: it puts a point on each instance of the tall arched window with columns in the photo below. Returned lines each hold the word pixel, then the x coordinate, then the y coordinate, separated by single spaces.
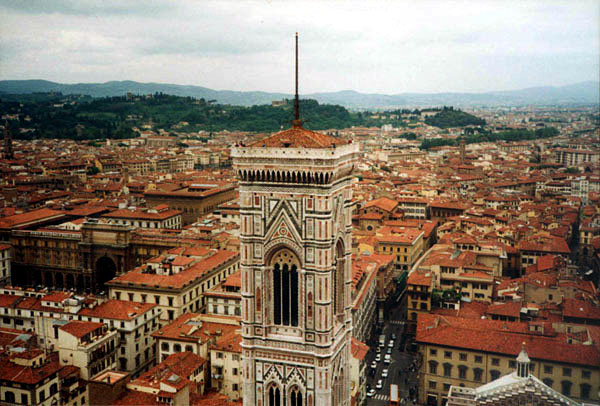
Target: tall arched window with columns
pixel 295 397
pixel 338 292
pixel 274 396
pixel 286 266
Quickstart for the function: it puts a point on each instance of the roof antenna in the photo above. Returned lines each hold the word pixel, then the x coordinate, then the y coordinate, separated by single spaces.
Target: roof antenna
pixel 297 123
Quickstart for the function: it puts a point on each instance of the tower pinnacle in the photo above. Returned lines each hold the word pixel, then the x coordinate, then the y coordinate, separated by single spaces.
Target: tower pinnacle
pixel 296 122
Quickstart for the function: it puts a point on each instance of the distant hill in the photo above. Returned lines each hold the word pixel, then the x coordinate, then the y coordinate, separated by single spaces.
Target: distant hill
pixel 578 93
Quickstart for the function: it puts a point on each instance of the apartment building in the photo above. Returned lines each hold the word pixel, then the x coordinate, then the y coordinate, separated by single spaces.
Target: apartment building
pixel 226 364
pixel 456 351
pixel 135 323
pixel 90 346
pixel 175 283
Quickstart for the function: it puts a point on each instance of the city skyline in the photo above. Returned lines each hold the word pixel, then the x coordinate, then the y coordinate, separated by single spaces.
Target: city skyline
pixel 392 47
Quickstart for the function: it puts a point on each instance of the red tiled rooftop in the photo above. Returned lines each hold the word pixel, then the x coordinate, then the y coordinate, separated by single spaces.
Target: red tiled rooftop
pixel 117 309
pixel 179 279
pixel 80 328
pixel 382 203
pixel 298 137
pixel 501 337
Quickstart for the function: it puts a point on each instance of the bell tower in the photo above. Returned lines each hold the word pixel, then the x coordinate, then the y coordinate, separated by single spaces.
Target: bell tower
pixel 295 253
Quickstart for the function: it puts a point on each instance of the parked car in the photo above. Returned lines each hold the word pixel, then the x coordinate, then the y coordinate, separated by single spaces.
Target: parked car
pixel 389 351
pixel 387 359
pixel 394 336
pixel 374 364
pixel 379 384
pixel 391 344
pixel 384 373
pixel 378 358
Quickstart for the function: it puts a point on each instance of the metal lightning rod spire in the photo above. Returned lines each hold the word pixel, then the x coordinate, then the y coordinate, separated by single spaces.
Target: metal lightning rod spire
pixel 297 99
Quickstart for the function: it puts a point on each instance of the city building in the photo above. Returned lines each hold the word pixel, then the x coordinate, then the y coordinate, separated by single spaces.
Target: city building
pixel 175 283
pixel 135 324
pixel 194 201
pixel 470 352
pixel 156 217
pixel 30 377
pixel 517 388
pixel 5 268
pixel 226 364
pixel 90 346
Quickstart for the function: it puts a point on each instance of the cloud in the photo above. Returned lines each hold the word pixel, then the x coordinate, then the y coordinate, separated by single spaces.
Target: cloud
pixel 382 46
pixel 89 7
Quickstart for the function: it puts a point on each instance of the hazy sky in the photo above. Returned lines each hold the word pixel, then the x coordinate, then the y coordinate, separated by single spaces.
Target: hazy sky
pixel 368 46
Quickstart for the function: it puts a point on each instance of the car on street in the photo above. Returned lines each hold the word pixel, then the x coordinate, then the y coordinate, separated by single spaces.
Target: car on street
pixel 379 384
pixel 389 351
pixel 394 336
pixel 378 358
pixel 371 393
pixel 374 364
pixel 384 373
pixel 387 359
pixel 391 344
pixel 378 350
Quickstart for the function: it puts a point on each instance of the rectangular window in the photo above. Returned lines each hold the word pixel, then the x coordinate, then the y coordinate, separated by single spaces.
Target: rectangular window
pixel 447 354
pixel 462 356
pixel 495 361
pixel 585 374
pixel 547 369
pixel 478 359
pixel 566 371
pixel 432 384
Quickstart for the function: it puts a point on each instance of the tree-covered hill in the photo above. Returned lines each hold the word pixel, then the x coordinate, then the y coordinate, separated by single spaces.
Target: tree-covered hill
pixel 51 115
pixel 486 136
pixel 449 117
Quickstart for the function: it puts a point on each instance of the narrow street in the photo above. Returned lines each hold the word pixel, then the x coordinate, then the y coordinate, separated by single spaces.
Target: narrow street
pixel 400 369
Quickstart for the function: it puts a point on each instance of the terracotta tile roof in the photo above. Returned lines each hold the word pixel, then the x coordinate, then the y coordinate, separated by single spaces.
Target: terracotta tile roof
pixel 501 337
pixel 117 309
pixel 191 328
pixel 182 363
pixel 80 328
pixel 298 137
pixel 30 217
pixel 180 279
pixel 512 309
pixel 359 349
pixel 550 244
pixel 230 342
pixel 420 278
pixel 383 203
pixel 580 309
pixel 234 280
pixel 11 372
pixel 141 214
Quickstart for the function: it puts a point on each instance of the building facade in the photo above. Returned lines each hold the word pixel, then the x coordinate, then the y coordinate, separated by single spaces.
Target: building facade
pixel 295 259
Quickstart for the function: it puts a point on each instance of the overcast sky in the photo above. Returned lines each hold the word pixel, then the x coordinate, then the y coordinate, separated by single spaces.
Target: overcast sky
pixel 368 46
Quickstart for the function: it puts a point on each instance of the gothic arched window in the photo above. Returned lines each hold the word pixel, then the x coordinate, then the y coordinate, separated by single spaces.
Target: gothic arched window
pixel 338 291
pixel 274 396
pixel 285 288
pixel 295 397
